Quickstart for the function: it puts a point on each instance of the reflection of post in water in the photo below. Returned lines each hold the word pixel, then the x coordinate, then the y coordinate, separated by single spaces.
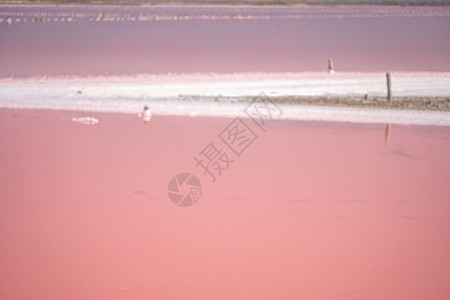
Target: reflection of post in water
pixel 387 134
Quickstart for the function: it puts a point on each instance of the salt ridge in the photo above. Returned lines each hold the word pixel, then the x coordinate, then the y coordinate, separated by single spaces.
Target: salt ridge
pixel 175 94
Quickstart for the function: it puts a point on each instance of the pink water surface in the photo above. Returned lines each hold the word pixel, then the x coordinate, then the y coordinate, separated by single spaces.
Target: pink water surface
pixel 293 39
pixel 309 211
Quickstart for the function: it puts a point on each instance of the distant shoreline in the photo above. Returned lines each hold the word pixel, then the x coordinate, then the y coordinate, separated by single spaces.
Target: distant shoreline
pixel 218 3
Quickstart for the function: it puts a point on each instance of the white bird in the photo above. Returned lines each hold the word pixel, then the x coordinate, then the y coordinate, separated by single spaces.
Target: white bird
pixel 146 114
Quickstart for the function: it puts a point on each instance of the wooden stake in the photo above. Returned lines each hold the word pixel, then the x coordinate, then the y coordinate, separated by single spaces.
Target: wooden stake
pixel 330 66
pixel 389 86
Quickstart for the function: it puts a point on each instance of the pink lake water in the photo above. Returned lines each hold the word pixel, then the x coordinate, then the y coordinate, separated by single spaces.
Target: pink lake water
pixel 308 211
pixel 112 40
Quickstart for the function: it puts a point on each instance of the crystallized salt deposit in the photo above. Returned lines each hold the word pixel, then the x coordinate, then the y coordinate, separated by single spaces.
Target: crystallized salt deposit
pixel 85 120
pixel 196 94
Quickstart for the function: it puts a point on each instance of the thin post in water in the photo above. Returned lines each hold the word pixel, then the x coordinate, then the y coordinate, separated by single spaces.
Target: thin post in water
pixel 389 86
pixel 330 66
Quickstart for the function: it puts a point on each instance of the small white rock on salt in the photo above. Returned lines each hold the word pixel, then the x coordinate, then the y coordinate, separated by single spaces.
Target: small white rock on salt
pixel 85 120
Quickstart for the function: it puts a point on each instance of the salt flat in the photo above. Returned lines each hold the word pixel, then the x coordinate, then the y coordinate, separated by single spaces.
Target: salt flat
pixel 176 94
